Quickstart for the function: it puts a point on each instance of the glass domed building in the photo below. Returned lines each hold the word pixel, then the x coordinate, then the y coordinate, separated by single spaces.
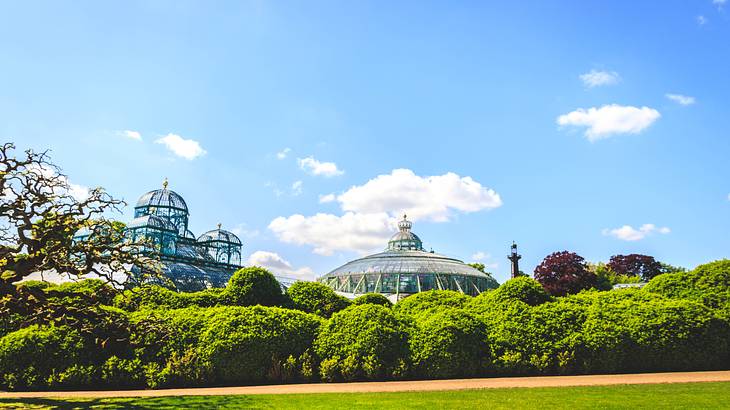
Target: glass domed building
pixel 161 221
pixel 405 268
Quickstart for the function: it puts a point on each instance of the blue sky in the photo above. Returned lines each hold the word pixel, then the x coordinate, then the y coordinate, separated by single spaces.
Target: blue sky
pixel 560 125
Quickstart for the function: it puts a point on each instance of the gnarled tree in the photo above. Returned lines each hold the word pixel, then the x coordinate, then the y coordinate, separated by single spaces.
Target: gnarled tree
pixel 39 217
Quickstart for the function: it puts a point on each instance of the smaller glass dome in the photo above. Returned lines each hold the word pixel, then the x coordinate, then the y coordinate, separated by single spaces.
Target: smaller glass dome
pixel 219 235
pixel 404 239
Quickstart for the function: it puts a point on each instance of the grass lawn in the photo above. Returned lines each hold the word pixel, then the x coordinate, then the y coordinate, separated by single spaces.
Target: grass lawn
pixel 655 396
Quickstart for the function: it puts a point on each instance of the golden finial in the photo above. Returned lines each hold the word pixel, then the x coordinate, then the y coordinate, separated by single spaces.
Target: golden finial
pixel 164 183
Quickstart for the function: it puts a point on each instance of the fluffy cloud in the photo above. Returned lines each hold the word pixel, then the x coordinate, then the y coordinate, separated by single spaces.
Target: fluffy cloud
pixel 323 199
pixel 78 192
pixel 185 148
pixel 296 188
pixel 328 233
pixel 314 167
pixel 431 197
pixel 596 78
pixel 279 266
pixel 135 135
pixel 629 233
pixel 283 153
pixel 371 210
pixel 681 99
pixel 719 3
pixel 610 120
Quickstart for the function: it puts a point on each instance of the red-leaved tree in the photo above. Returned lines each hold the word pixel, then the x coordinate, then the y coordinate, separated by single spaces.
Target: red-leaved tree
pixel 643 266
pixel 562 273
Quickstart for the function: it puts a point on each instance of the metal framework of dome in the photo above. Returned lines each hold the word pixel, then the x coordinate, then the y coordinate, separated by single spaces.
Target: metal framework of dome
pixel 161 223
pixel 405 268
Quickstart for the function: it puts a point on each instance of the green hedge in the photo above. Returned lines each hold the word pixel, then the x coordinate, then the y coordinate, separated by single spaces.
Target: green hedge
pixel 430 301
pixel 317 298
pixel 374 298
pixel 679 321
pixel 362 342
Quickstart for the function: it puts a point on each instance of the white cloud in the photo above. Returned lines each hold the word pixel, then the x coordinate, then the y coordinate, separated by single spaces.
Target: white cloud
pixel 596 78
pixel 323 199
pixel 185 148
pixel 328 233
pixel 135 135
pixel 78 192
pixel 681 99
pixel 701 20
pixel 296 188
pixel 283 153
pixel 372 210
pixel 431 197
pixel 629 233
pixel 279 266
pixel 610 120
pixel 479 256
pixel 314 167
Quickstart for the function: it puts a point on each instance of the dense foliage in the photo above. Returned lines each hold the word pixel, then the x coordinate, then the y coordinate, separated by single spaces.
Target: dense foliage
pixel 374 298
pixel 253 286
pixel 563 273
pixel 679 321
pixel 643 266
pixel 317 298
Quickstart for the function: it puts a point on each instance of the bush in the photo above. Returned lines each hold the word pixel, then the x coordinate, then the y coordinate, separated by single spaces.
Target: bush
pixel 654 335
pixel 30 356
pixel 227 345
pixel 522 288
pixel 317 298
pixel 158 296
pixel 253 286
pixel 374 298
pixel 432 300
pixel 708 284
pixel 362 342
pixel 448 344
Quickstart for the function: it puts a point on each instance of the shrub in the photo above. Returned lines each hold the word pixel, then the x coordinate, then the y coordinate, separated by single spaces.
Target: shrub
pixel 252 344
pixel 374 298
pixel 654 335
pixel 253 286
pixel 362 342
pixel 227 344
pixel 447 344
pixel 30 356
pixel 708 284
pixel 429 301
pixel 317 298
pixel 522 288
pixel 158 296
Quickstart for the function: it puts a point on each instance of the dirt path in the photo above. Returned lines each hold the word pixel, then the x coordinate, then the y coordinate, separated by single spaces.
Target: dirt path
pixel 423 385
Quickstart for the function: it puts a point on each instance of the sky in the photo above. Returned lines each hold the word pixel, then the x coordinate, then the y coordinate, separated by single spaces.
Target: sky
pixel 309 127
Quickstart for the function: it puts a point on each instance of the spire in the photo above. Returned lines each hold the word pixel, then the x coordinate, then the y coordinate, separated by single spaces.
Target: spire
pixel 514 257
pixel 164 183
pixel 219 226
pixel 405 225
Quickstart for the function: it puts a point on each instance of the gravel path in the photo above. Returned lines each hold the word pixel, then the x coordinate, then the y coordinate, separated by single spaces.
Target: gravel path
pixel 422 385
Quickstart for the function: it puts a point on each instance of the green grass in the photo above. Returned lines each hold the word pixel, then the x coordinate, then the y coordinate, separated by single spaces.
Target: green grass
pixel 656 396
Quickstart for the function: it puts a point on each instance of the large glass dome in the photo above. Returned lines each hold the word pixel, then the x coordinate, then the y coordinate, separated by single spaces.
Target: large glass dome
pixel 405 268
pixel 222 245
pixel 167 204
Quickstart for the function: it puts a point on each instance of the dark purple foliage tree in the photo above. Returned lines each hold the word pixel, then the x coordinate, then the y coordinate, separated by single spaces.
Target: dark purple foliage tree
pixel 562 273
pixel 643 266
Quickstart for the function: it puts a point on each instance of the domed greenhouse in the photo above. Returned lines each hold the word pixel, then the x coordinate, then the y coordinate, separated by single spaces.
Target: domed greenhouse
pixel 405 268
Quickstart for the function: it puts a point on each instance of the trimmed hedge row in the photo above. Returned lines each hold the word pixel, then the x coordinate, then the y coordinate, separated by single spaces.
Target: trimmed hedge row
pixel 678 322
